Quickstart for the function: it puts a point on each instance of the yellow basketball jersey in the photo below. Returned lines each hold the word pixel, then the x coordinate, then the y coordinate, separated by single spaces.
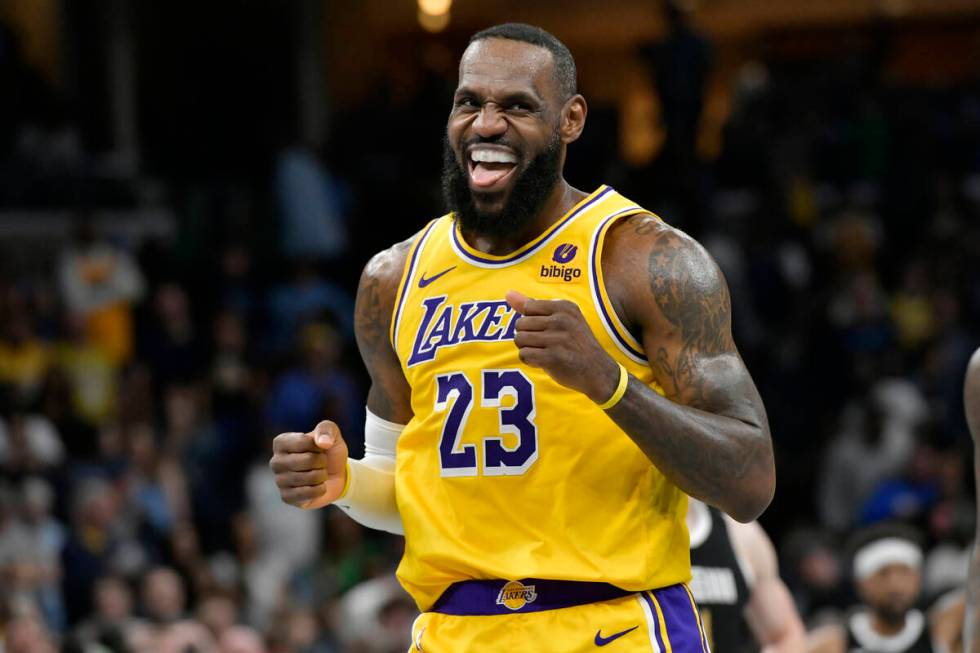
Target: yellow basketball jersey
pixel 503 473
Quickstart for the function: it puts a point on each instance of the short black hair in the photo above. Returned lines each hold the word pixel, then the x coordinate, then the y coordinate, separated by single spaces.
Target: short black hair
pixel 565 72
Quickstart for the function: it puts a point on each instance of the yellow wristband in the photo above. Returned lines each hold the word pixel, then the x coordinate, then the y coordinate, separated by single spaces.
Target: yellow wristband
pixel 343 492
pixel 624 378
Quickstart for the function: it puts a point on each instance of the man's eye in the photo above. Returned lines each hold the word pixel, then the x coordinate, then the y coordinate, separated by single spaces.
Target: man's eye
pixel 519 106
pixel 465 102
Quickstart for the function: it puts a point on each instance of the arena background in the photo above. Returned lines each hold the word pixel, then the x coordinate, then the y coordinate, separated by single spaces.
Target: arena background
pixel 188 191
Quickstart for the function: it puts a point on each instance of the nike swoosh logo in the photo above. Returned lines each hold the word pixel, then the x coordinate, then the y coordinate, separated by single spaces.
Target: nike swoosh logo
pixel 602 641
pixel 423 282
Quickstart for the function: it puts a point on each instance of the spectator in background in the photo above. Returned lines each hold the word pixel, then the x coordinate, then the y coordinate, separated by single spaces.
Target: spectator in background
pixel 876 442
pixel 236 289
pixel 24 358
pixel 193 441
pixel 682 63
pixel 42 537
pixel 29 443
pixel 310 208
pixel 163 597
pixel 270 561
pixel 80 438
pixel 237 393
pixel 90 370
pixel 375 615
pixel 218 613
pixel 169 343
pixel 101 282
pixel 27 634
pixel 113 615
pixel 156 488
pixel 318 386
pixel 886 563
pixel 305 297
pixel 299 631
pixel 92 541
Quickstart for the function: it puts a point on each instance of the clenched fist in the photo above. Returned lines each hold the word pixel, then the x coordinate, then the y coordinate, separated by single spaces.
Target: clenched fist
pixel 310 468
pixel 552 334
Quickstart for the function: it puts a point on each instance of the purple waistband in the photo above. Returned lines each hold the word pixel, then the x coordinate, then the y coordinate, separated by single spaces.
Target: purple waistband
pixel 489 597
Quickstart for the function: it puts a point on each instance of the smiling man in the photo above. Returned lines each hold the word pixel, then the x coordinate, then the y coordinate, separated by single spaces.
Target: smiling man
pixel 552 371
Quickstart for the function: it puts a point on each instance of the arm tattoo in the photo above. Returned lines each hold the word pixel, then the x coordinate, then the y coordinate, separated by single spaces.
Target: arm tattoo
pixel 694 302
pixel 643 223
pixel 388 397
pixel 709 435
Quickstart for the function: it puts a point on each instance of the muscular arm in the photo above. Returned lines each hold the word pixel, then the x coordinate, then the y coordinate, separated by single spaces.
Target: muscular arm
pixel 710 434
pixel 389 397
pixel 971 399
pixel 771 613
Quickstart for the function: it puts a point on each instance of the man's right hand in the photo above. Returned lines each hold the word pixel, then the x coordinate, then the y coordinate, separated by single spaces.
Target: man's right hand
pixel 310 468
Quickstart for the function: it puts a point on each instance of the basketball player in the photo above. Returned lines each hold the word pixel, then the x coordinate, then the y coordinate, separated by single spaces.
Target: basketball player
pixel 735 581
pixel 887 571
pixel 556 371
pixel 971 398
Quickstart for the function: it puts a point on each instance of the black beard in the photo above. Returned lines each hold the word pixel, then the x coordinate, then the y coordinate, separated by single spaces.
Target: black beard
pixel 529 193
pixel 891 614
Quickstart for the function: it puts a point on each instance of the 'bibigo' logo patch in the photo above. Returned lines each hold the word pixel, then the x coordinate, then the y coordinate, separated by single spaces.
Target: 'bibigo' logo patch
pixel 560 271
pixel 515 595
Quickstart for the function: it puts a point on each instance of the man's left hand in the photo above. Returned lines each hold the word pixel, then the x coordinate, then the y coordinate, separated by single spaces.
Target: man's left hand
pixel 552 334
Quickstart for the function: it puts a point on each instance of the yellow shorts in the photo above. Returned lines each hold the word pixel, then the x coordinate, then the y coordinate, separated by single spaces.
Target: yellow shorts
pixel 658 621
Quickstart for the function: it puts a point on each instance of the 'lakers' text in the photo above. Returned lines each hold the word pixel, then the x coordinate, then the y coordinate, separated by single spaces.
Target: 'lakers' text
pixel 447 325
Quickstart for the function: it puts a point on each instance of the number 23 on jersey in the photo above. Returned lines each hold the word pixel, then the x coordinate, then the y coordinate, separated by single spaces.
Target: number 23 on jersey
pixel 455 395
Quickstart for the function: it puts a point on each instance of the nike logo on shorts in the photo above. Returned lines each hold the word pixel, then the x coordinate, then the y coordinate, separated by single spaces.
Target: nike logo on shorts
pixel 423 282
pixel 602 641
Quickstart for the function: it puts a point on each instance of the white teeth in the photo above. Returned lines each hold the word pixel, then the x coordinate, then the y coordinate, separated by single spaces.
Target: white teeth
pixel 492 156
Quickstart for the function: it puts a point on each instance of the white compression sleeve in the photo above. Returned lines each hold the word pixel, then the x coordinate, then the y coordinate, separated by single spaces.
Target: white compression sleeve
pixel 370 496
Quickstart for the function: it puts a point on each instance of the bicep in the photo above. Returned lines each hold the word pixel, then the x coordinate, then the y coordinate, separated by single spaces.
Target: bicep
pixel 686 327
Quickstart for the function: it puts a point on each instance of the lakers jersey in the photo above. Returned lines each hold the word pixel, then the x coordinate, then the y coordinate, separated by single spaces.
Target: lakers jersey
pixel 503 473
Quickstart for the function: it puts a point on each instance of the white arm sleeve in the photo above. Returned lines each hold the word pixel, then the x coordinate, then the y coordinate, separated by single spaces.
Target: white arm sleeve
pixel 370 496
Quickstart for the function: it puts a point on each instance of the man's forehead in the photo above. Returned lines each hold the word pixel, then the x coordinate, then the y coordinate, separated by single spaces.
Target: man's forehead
pixel 496 62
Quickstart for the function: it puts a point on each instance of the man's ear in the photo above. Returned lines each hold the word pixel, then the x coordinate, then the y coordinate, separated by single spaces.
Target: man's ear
pixel 573 119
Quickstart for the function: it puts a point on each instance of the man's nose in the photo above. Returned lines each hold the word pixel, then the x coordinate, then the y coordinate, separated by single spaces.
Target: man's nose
pixel 489 122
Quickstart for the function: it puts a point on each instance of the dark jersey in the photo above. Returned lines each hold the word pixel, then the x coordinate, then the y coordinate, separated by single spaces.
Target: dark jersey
pixel 718 584
pixel 913 638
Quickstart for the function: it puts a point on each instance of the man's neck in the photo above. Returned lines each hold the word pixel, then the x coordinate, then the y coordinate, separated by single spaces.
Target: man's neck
pixel 560 201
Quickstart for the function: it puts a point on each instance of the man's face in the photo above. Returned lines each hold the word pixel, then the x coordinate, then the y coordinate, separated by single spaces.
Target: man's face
pixel 503 150
pixel 891 591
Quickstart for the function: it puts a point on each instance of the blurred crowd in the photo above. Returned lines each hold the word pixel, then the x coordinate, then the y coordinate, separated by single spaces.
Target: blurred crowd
pixel 141 383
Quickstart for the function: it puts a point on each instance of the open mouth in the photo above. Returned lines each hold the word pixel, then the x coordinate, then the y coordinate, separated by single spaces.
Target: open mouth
pixel 490 168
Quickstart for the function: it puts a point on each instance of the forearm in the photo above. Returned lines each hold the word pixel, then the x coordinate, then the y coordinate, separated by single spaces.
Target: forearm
pixel 720 460
pixel 369 497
